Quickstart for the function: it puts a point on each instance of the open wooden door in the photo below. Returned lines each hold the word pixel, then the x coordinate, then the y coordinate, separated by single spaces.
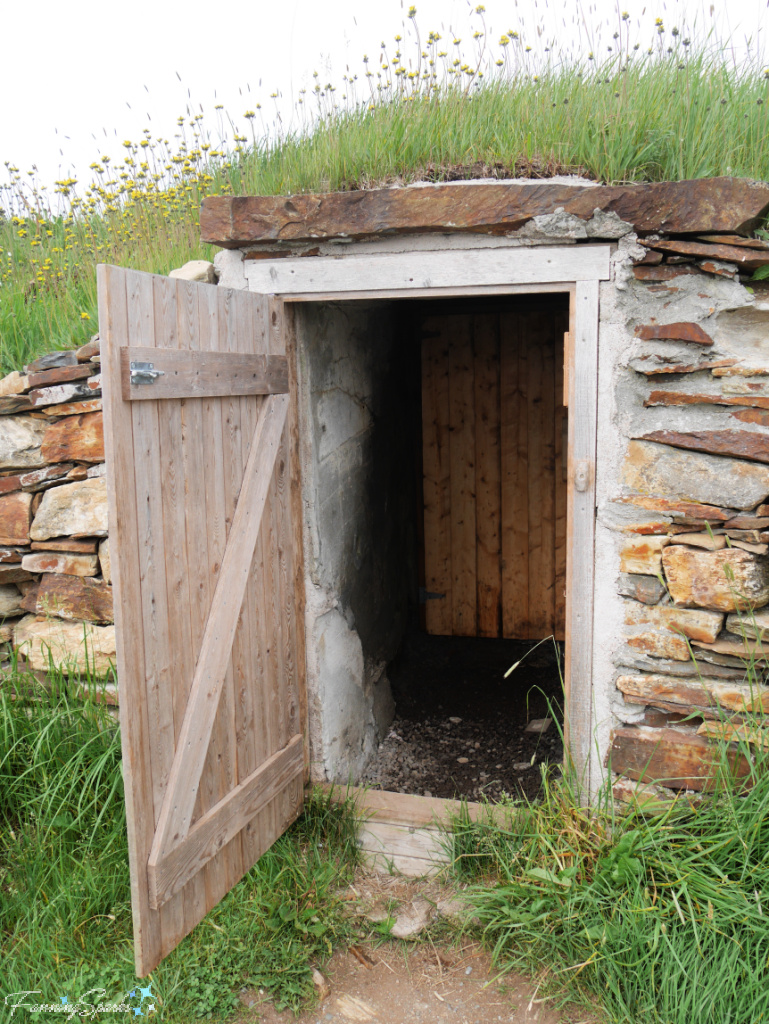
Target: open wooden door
pixel 200 438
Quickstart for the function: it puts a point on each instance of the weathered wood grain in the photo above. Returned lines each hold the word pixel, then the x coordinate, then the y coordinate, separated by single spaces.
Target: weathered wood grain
pixel 195 374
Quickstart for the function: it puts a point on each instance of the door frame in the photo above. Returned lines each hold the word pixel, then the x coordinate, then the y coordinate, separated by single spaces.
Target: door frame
pixel 576 270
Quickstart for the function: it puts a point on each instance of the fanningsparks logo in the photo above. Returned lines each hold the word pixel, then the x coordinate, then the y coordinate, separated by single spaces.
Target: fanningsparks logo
pixel 139 1002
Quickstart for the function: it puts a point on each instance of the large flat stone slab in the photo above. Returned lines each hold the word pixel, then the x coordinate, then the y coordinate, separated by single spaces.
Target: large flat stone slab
pixel 72 510
pixel 75 647
pixel 720 580
pixel 693 623
pixel 717 204
pixel 744 444
pixel 20 441
pixel 15 516
pixel 658 469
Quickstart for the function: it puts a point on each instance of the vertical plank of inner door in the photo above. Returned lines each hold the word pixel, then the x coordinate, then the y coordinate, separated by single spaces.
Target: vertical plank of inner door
pixel 487 473
pixel 541 413
pixel 515 482
pixel 437 497
pixel 130 558
pixel 580 569
pixel 462 477
pixel 561 325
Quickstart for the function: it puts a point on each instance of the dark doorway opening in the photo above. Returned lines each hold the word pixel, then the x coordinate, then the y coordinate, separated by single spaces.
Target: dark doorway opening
pixel 489 479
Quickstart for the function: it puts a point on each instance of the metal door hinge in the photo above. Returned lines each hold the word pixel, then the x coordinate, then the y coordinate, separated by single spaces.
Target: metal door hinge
pixel 426 595
pixel 145 373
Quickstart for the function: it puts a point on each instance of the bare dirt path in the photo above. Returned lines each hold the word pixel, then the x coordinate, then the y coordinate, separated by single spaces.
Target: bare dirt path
pixel 435 978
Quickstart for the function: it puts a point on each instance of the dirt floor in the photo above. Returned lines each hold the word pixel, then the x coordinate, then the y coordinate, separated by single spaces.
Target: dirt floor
pixel 442 978
pixel 460 726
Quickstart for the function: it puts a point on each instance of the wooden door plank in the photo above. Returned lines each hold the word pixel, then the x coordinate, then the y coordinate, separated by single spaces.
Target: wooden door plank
pixel 178 917
pixel 204 374
pixel 561 426
pixel 541 411
pixel 222 823
pixel 436 479
pixel 515 478
pixel 464 618
pixel 178 804
pixel 580 569
pixel 124 530
pixel 488 466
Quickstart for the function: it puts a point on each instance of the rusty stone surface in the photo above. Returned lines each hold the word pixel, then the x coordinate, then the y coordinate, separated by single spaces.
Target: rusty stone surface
pixel 747 243
pixel 75 598
pixel 657 469
pixel 747 259
pixel 74 408
pixel 61 375
pixel 739 697
pixel 720 580
pixel 9 484
pixel 732 205
pixel 663 273
pixel 75 439
pixel 674 398
pixel 11 555
pixel 675 757
pixel 674 332
pixel 66 644
pixel 747 523
pixel 742 444
pixel 15 516
pixel 643 556
pixel 15 403
pixel 661 645
pixel 687 509
pixel 60 562
pixel 40 479
pixel 691 623
pixel 718 269
pixel 647 589
pixel 10 600
pixel 652 367
pixel 76 547
pixel 751 416
pixel 14 574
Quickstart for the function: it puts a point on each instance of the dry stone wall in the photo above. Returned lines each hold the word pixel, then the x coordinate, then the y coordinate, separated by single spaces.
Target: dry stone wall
pixel 689 509
pixel 55 580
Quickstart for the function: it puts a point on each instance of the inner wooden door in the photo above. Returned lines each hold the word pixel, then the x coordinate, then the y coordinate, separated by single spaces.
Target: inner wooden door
pixel 494 432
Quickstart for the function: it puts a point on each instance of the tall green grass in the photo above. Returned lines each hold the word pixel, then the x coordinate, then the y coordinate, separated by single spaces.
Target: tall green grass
pixel 672 112
pixel 65 921
pixel 658 918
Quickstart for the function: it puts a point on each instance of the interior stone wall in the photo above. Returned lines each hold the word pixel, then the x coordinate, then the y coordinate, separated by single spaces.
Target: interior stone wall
pixel 357 466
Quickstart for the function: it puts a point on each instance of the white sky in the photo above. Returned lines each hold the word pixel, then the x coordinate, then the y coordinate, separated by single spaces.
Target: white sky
pixel 77 78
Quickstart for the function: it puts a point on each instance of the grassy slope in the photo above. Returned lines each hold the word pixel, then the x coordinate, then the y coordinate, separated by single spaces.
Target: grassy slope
pixel 65 917
pixel 658 119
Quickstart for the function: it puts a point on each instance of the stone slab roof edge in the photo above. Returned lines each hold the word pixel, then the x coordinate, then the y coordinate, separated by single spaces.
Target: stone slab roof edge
pixel 725 205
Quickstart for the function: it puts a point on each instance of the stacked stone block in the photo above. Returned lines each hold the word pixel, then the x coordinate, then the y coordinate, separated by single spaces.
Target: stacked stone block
pixel 55 580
